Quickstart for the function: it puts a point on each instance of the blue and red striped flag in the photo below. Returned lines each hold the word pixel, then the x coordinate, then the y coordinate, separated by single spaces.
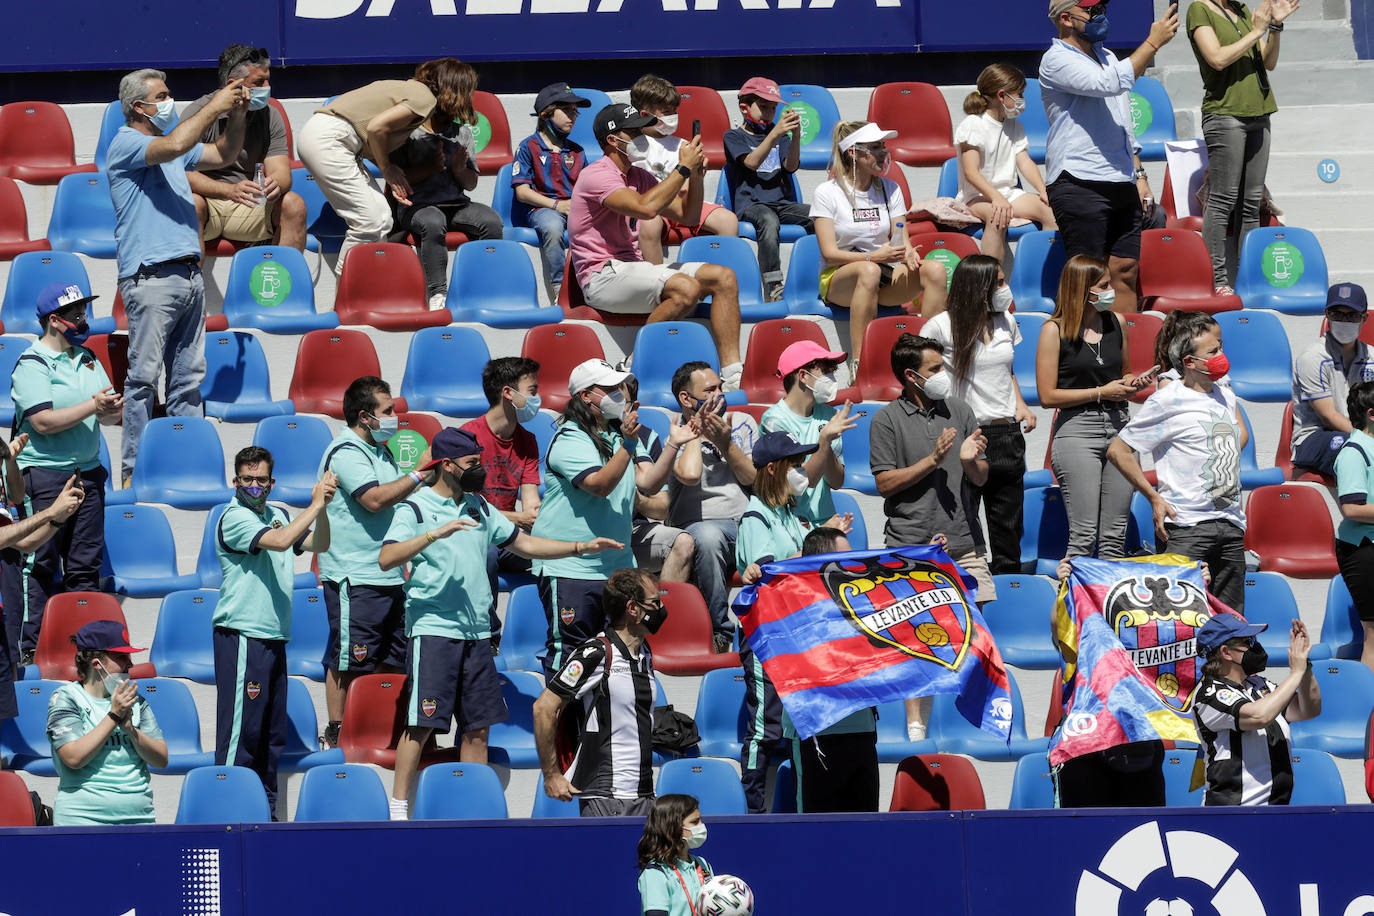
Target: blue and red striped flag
pixel 1127 630
pixel 837 633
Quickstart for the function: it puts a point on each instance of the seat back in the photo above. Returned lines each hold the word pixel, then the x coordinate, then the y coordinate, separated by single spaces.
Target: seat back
pixel 504 203
pixel 559 348
pixel 1142 331
pixel 734 253
pixel 858 534
pixel 444 370
pixel 582 128
pixel 110 123
pixel 700 103
pixel 876 381
pixel 766 342
pixel 1174 262
pixel 83 215
pixel 309 633
pixel 138 542
pixel 235 367
pixel 35 134
pixel 491 135
pixel 25 737
pixel 347 792
pixel 1178 778
pixel 1034 120
pixel 222 795
pixel 179 453
pixel 183 644
pixel 176 713
pixel 326 362
pixel 373 714
pixel 492 274
pixel 16 806
pixel 687 629
pixel 552 807
pixel 1031 786
pixel 720 713
pixel 414 432
pixel 515 735
pixel 948 184
pixel 1269 600
pixel 1316 780
pixel 937 782
pixel 14 221
pixel 1019 620
pixel 949 248
pixel 1282 268
pixel 947 723
pixel 297 444
pixel 1152 117
pixel 380 277
pixel 459 791
pixel 802 293
pixel 1342 633
pixel 711 781
pixel 268 279
pixel 685 340
pixel 919 114
pixel 1288 520
pixel 29 273
pixel 1045 525
pixel 65 613
pixel 522 636
pixel 857 475
pixel 321 221
pixel 819 115
pixel 207 560
pixel 1035 274
pixel 1257 346
pixel 1023 355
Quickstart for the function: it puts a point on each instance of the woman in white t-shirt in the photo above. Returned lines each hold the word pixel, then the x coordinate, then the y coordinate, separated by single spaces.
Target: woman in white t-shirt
pixel 860 220
pixel 992 149
pixel 979 335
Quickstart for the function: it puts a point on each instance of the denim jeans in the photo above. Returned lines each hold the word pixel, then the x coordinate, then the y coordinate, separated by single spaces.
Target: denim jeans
pixel 1237 160
pixel 430 224
pixel 768 220
pixel 713 562
pixel 166 329
pixel 1097 498
pixel 550 225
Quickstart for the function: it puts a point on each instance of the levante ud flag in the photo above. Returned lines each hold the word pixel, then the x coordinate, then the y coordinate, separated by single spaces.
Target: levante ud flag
pixel 1127 630
pixel 840 632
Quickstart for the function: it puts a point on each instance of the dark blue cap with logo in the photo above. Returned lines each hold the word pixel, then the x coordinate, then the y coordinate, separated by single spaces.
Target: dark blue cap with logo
pixel 775 446
pixel 104 636
pixel 57 296
pixel 451 443
pixel 558 94
pixel 1223 627
pixel 1347 295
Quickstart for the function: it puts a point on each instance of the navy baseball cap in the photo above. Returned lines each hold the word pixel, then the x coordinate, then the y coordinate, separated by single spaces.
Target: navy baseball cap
pixel 57 296
pixel 1347 295
pixel 777 445
pixel 104 636
pixel 558 94
pixel 1223 627
pixel 450 443
pixel 619 117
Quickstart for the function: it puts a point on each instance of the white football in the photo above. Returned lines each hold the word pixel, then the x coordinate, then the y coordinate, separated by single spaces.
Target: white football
pixel 725 895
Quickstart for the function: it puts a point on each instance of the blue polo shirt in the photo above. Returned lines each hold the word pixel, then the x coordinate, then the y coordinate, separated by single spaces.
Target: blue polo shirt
pixel 1088 104
pixel 550 172
pixel 155 217
pixel 47 380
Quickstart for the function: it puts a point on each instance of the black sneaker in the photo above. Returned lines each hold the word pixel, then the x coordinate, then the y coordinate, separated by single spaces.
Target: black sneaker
pixel 26 658
pixel 330 738
pixel 496 644
pixel 721 643
pixel 774 292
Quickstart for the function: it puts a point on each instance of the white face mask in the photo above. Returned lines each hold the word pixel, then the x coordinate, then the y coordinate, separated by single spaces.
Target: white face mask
pixel 113 680
pixel 824 388
pixel 939 386
pixel 386 428
pixel 1104 300
pixel 1344 332
pixel 696 835
pixel 666 126
pixel 1001 298
pixel 1017 107
pixel 529 410
pixel 612 406
pixel 797 481
pixel 166 114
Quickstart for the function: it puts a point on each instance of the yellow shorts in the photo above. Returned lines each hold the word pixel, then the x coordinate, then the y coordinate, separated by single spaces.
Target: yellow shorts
pixel 228 219
pixel 826 274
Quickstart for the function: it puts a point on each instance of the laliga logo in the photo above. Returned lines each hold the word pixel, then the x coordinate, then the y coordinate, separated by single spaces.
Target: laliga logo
pixel 338 9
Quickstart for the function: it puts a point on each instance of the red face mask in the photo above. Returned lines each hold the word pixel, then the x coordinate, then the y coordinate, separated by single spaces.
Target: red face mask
pixel 1216 366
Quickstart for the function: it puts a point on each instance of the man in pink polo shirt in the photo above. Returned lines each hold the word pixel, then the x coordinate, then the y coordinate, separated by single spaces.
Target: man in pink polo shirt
pixel 605 249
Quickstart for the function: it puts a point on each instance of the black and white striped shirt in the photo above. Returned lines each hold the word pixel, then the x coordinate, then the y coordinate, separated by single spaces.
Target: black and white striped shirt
pixel 615 754
pixel 1243 767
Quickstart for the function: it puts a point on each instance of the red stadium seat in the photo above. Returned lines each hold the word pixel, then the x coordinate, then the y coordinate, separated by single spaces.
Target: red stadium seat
pixel 570 299
pixel 1283 454
pixel 937 782
pixel 705 105
pixel 766 342
pixel 1141 332
pixel 213 323
pixel 876 382
pixel 36 143
pixel 374 715
pixel 1176 273
pixel 956 242
pixel 754 410
pixel 1369 758
pixel 16 805
pixel 14 223
pixel 919 115
pixel 290 138
pixel 1172 219
pixel 558 348
pixel 422 423
pixel 326 362
pixel 451 240
pixel 65 613
pixel 497 151
pixel 383 286
pixel 683 645
pixel 1289 526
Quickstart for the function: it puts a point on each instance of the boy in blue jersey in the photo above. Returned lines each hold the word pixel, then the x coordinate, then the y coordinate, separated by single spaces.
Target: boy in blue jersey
pixel 255 543
pixel 546 165
pixel 444 532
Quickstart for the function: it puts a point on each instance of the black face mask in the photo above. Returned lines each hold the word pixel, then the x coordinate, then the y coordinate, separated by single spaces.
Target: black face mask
pixel 473 479
pixel 654 615
pixel 1254 660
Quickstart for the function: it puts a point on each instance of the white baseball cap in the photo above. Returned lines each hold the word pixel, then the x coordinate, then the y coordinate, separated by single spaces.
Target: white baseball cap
pixel 869 133
pixel 594 372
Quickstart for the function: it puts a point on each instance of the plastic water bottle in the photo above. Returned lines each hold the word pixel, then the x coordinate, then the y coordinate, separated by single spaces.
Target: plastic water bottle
pixel 258 178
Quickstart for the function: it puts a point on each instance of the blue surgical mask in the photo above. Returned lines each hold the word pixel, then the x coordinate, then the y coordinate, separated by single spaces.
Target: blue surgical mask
pixel 559 135
pixel 76 333
pixel 529 410
pixel 1095 29
pixel 166 114
pixel 260 95
pixel 386 428
pixel 254 498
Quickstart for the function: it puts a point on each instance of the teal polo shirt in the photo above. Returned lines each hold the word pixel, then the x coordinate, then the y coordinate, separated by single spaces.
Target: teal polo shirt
pixel 448 592
pixel 114 786
pixel 355 534
pixel 570 513
pixel 767 533
pixel 815 503
pixel 255 598
pixel 1355 484
pixel 44 380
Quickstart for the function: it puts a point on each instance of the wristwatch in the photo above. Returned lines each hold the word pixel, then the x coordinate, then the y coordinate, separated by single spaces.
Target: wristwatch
pixel 1140 174
pixel 1276 26
pixel 684 171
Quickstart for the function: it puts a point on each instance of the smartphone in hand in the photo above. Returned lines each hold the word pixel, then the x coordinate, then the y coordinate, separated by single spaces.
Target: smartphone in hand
pixel 696 128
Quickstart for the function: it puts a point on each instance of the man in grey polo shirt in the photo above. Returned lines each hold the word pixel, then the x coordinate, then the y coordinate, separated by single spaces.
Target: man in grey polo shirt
pixel 923 447
pixel 1322 377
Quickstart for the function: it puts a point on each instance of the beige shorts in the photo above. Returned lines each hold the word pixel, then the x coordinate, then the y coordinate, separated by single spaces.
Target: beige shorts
pixel 976 565
pixel 229 219
pixel 633 287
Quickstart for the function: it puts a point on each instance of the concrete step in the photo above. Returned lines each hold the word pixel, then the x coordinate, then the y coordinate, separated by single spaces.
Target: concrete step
pixel 1330 210
pixel 1336 128
pixel 1296 84
pixel 1309 11
pixel 1313 41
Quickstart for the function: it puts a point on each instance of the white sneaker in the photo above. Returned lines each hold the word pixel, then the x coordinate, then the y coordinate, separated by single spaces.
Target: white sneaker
pixel 915 731
pixel 438 301
pixel 400 809
pixel 730 377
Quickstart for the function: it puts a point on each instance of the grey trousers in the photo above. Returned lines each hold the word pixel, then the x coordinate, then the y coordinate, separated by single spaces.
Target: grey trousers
pixel 616 807
pixel 1096 497
pixel 1237 160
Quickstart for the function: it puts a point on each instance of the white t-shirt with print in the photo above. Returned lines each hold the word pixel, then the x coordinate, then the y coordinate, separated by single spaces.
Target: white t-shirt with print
pixel 866 223
pixel 999 142
pixel 1195 441
pixel 990 388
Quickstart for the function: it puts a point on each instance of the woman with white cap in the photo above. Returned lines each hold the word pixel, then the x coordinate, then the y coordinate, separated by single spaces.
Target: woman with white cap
pixel 590 493
pixel 860 221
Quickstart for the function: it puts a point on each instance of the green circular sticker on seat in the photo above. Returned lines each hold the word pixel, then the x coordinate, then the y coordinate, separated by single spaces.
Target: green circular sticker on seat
pixel 1142 115
pixel 270 284
pixel 810 120
pixel 946 257
pixel 1282 264
pixel 406 447
pixel 481 133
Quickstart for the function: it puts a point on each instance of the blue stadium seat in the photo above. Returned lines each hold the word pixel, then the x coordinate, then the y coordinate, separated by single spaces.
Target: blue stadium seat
pixel 140 553
pixel 309 634
pixel 110 123
pixel 29 273
pixel 949 187
pixel 1044 531
pixel 712 781
pixel 685 340
pixel 1035 274
pixel 11 348
pixel 459 791
pixel 725 195
pixel 819 114
pixel 347 792
pixel 516 735
pixel 1178 776
pixel 1031 786
pixel 1020 621
pixel 543 427
pixel 83 216
pixel 1316 780
pixel 845 502
pixel 522 636
pixel 325 228
pixel 801 292
pixel 222 795
pixel 24 739
pixel 270 288
pixel 1261 361
pixel 1023 357
pixel 552 807
pixel 302 749
pixel 1140 526
pixel 720 712
pixel 113 496
pixel 1347 688
pixel 176 714
pixel 297 443
pixel 735 254
pixel 493 283
pixel 183 644
pixel 207 561
pixel 1269 600
pixel 893 746
pixel 180 463
pixel 784 790
pixel 444 371
pixel 1033 119
pixel 582 128
pixel 1251 474
pixel 504 203
pixel 956 735
pixel 1342 633
pixel 1282 268
pixel 857 475
pixel 238 385
pixel 1153 114
pixel 657 419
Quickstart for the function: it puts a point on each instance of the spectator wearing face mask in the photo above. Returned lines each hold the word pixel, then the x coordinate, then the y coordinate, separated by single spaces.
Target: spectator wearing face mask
pixel 809 386
pixel 546 166
pixel 993 149
pixel 1323 375
pixel 670 876
pixel 979 334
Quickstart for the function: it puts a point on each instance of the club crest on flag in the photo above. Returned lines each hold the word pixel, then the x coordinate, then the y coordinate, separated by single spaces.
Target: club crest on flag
pixel 913 606
pixel 1157 620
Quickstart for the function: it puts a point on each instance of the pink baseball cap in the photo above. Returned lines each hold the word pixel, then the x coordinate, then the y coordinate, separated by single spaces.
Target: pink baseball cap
pixel 761 87
pixel 803 352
